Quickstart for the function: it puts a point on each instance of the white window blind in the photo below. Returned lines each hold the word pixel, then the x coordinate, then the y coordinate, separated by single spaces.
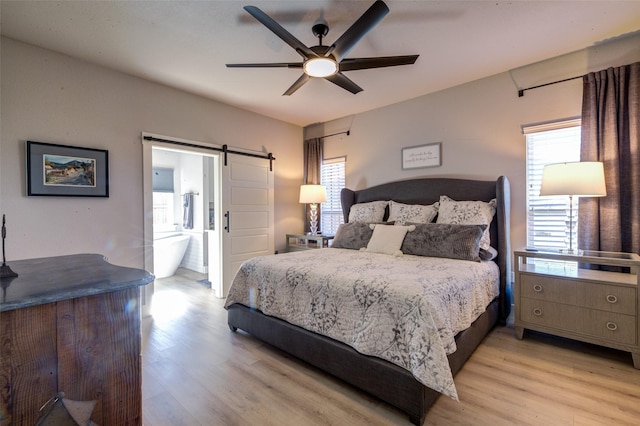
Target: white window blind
pixel 163 211
pixel 332 176
pixel 548 217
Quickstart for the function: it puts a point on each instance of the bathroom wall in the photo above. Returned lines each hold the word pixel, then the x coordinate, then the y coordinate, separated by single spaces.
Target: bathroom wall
pixel 191 181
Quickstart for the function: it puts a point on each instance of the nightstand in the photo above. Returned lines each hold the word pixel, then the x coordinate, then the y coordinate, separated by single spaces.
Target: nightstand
pixel 554 296
pixel 297 242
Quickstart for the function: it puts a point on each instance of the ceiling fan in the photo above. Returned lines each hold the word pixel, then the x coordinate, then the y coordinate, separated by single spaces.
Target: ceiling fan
pixel 329 62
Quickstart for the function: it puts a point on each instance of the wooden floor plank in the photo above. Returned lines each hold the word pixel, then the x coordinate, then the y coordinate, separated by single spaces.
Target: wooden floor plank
pixel 197 372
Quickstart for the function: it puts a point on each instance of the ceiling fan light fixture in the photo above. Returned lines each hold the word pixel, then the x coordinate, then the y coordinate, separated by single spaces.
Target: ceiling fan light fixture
pixel 329 61
pixel 320 67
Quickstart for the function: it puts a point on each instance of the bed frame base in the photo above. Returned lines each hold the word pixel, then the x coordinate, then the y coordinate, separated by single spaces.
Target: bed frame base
pixel 380 378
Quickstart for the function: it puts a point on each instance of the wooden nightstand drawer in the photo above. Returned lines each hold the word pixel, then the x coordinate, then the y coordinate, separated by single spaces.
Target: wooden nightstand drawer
pixel 605 297
pixel 544 287
pixel 612 326
pixel 611 298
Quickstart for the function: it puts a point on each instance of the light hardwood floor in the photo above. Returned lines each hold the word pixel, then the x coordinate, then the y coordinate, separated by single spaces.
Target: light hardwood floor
pixel 197 372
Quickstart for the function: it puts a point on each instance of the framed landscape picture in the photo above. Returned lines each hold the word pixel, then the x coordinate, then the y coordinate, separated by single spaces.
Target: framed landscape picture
pixel 66 171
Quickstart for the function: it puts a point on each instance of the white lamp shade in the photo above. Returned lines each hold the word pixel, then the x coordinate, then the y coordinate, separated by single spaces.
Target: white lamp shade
pixel 585 178
pixel 311 194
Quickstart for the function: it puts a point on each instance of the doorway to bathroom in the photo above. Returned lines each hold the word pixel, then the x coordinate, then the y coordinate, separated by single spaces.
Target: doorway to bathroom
pixel 183 202
pixel 221 204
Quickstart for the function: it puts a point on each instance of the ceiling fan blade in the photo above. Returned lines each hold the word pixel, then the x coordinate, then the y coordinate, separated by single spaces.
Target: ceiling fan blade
pixel 352 64
pixel 277 29
pixel 267 65
pixel 298 84
pixel 344 82
pixel 362 26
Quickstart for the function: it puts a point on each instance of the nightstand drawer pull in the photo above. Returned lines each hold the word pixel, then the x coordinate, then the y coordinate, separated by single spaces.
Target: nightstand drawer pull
pixel 537 288
pixel 612 298
pixel 537 312
pixel 612 326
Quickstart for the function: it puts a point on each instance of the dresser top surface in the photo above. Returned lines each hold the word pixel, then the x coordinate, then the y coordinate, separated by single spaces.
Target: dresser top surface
pixel 52 279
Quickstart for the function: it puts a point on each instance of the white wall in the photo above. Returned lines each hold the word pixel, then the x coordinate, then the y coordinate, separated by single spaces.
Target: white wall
pixel 49 97
pixel 478 123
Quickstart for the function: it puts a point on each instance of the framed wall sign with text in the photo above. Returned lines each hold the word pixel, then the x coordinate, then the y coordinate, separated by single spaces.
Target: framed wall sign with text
pixel 419 156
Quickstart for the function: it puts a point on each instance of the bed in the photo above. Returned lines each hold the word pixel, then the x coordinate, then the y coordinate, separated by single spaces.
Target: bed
pixel 388 379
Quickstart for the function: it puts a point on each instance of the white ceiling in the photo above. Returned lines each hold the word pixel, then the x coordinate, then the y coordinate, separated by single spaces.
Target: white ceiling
pixel 186 44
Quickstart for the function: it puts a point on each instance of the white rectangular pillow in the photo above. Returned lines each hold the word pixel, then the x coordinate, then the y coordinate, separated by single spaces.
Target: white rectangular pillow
pixel 387 239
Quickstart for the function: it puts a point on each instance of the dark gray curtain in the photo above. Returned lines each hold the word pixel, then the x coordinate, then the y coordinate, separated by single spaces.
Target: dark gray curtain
pixel 313 152
pixel 611 134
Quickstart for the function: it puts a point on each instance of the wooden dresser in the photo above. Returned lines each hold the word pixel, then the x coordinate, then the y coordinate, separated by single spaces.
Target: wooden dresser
pixel 556 296
pixel 71 324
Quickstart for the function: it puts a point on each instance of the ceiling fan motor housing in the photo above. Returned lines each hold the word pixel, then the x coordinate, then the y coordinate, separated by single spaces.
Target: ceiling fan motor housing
pixel 320 29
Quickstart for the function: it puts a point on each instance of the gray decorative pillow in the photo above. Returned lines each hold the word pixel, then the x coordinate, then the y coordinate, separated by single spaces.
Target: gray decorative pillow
pixel 352 235
pixel 445 240
pixel 468 213
pixel 412 213
pixel 368 212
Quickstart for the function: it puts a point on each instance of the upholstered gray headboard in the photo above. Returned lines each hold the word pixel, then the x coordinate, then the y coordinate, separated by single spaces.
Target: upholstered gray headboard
pixel 428 191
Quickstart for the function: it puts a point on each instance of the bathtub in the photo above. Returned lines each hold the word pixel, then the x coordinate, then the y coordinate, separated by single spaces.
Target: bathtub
pixel 168 250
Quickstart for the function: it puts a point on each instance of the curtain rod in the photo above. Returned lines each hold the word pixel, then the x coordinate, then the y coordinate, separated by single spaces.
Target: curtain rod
pixel 346 132
pixel 521 91
pixel 225 149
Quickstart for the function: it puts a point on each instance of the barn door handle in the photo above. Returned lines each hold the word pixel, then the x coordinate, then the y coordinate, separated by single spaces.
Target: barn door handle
pixel 226 227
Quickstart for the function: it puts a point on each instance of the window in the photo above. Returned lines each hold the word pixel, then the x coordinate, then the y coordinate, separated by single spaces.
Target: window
pixel 163 217
pixel 332 172
pixel 548 217
pixel 163 201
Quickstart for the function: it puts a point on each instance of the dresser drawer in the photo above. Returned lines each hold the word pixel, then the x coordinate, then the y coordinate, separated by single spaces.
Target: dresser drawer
pixel 605 297
pixel 612 326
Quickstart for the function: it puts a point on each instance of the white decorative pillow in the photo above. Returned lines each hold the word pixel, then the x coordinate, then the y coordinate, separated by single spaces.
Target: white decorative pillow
pixel 368 212
pixel 468 213
pixel 387 239
pixel 411 213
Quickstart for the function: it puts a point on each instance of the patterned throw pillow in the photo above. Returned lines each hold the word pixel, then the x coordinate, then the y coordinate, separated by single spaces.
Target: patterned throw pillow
pixel 368 212
pixel 352 235
pixel 412 213
pixel 468 213
pixel 445 240
pixel 387 239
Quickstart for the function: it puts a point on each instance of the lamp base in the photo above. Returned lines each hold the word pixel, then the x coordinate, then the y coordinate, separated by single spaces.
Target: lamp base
pixel 6 272
pixel 313 219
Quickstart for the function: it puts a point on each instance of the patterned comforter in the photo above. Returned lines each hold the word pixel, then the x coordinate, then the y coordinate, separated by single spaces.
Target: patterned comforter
pixel 406 310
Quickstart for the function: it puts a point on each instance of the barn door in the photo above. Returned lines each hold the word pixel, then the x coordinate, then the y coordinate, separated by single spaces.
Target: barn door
pixel 247 213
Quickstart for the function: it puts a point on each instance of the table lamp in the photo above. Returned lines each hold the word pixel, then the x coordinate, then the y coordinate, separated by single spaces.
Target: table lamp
pixel 312 195
pixel 576 179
